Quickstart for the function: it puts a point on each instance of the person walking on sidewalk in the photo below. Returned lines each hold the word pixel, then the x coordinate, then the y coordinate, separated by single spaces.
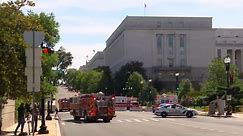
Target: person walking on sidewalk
pixel 56 113
pixel 35 118
pixel 21 119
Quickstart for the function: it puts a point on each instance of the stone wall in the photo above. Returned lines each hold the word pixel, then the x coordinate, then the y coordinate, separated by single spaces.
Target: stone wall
pixel 8 114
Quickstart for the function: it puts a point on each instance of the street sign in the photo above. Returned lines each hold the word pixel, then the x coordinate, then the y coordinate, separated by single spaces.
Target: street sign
pixel 33 38
pixel 30 82
pixel 228 97
pixel 29 57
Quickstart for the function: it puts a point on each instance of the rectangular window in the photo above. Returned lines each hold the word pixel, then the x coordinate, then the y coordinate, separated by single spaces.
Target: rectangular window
pixel 219 53
pixel 171 38
pixel 182 40
pixel 159 38
pixel 171 62
pixel 229 53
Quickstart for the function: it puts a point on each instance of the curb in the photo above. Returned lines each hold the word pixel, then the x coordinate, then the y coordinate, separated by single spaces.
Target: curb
pixel 58 128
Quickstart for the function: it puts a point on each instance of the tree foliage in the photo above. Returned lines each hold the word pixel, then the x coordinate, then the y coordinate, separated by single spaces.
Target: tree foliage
pixel 12 57
pixel 185 88
pixel 147 95
pixel 64 59
pixel 106 83
pixel 134 84
pixel 122 75
pixel 85 82
pixel 217 80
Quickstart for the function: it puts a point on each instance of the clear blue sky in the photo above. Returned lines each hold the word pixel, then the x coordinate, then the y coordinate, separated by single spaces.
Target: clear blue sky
pixel 85 25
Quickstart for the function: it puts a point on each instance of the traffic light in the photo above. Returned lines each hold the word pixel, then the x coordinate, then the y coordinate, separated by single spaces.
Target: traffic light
pixel 45 50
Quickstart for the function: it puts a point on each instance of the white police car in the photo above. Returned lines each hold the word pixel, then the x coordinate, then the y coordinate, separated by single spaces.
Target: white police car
pixel 174 110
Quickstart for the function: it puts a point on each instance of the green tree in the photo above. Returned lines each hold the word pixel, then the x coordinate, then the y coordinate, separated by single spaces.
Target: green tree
pixel 64 60
pixel 70 77
pixel 185 88
pixel 147 94
pixel 217 80
pixel 12 58
pixel 106 82
pixel 122 75
pixel 134 84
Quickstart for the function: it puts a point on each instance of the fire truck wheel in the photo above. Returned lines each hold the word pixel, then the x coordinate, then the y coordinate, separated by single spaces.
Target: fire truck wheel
pixel 76 118
pixel 106 119
pixel 86 119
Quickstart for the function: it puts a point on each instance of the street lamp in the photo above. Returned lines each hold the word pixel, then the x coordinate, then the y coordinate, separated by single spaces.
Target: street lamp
pixel 227 61
pixel 177 74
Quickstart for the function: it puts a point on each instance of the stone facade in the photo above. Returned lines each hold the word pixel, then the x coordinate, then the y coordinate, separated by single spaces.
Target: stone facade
pixel 167 45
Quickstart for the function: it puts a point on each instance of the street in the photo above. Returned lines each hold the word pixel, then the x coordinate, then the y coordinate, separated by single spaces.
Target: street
pixel 147 124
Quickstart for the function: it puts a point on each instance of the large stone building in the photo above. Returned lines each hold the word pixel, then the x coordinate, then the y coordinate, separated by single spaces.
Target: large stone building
pixel 167 45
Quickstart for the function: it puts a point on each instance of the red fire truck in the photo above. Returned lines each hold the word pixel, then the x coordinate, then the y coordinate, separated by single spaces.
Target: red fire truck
pixel 92 107
pixel 64 104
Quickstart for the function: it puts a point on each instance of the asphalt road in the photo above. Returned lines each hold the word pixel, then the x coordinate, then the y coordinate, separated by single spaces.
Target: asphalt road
pixel 147 124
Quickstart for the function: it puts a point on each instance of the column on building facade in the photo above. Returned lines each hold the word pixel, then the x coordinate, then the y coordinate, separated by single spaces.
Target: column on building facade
pixel 233 56
pixel 241 60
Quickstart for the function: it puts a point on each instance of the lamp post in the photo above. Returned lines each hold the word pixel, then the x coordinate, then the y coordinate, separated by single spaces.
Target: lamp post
pixel 227 61
pixel 177 74
pixel 150 90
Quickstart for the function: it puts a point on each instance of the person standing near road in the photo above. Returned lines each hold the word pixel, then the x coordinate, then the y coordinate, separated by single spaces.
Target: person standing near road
pixel 21 119
pixel 35 118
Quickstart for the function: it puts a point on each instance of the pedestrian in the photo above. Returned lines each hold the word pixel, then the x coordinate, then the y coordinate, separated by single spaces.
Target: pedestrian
pixel 35 118
pixel 56 113
pixel 21 119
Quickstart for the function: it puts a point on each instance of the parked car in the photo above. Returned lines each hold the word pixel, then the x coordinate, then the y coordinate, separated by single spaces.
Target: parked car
pixel 174 110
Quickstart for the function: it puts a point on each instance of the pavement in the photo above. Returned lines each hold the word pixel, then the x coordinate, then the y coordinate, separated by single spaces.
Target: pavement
pixel 147 124
pixel 235 115
pixel 52 126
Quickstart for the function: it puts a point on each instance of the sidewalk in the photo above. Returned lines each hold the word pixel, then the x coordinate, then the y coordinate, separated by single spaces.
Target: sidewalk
pixel 236 115
pixel 52 126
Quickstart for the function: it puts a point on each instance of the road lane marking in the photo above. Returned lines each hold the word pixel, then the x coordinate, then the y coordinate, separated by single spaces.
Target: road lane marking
pixel 234 133
pixel 128 120
pixel 171 119
pixel 154 119
pixel 119 121
pixel 145 120
pixel 211 129
pixel 137 120
pixel 220 131
pixel 63 123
